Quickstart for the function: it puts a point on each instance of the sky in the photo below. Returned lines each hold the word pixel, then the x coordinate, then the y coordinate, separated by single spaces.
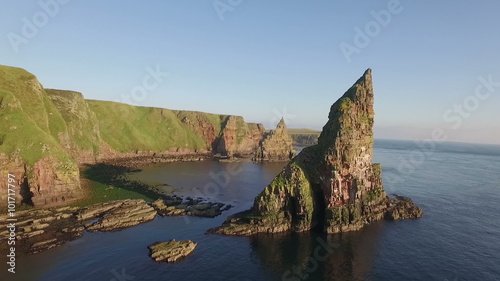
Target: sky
pixel 435 63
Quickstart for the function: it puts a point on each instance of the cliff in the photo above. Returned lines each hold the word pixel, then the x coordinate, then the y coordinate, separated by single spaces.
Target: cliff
pixel 332 186
pixel 31 133
pixel 238 138
pixel 83 139
pixel 45 134
pixel 276 145
pixel 304 137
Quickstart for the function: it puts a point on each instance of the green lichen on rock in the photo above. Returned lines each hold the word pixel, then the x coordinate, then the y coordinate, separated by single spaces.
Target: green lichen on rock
pixel 288 199
pixel 333 184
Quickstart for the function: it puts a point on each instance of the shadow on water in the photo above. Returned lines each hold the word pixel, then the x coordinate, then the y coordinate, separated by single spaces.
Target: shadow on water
pixel 114 175
pixel 318 256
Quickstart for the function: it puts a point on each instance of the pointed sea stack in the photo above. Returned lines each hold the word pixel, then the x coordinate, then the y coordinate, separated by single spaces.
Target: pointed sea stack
pixel 276 145
pixel 332 186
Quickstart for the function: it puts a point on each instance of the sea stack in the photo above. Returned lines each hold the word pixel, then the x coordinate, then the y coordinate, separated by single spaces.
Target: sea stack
pixel 276 145
pixel 332 186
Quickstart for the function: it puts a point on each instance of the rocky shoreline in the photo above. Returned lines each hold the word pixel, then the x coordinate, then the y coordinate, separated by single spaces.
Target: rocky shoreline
pixel 245 224
pixel 42 229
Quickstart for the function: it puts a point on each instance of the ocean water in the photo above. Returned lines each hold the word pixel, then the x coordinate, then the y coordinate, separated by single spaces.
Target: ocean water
pixel 458 238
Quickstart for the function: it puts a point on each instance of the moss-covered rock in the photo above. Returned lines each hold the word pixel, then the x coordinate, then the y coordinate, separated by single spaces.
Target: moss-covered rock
pixel 333 184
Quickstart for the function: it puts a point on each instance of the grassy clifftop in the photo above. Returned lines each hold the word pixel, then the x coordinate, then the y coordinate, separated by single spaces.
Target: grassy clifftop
pixel 81 123
pixel 129 128
pixel 46 133
pixel 31 126
pixel 32 131
pixel 304 137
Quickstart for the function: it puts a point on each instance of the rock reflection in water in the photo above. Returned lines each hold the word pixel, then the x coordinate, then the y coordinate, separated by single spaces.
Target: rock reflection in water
pixel 318 256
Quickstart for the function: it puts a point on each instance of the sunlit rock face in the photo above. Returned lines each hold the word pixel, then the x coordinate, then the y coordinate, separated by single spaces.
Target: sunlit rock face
pixel 333 186
pixel 276 145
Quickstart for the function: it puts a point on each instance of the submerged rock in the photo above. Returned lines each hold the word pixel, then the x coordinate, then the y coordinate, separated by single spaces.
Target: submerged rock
pixel 171 251
pixel 333 186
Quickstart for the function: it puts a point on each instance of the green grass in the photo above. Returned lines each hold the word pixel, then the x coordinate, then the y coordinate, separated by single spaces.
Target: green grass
pixel 31 127
pixel 31 95
pixel 31 124
pixel 130 128
pixel 215 120
pixel 36 123
pixel 106 183
pixel 304 137
pixel 102 193
pixel 303 132
pixel 82 124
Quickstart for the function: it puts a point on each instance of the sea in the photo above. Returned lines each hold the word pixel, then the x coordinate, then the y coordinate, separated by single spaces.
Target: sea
pixel 458 238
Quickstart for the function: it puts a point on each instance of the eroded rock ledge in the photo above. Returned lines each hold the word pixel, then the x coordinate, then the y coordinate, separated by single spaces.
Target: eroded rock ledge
pixel 333 186
pixel 42 229
pixel 171 251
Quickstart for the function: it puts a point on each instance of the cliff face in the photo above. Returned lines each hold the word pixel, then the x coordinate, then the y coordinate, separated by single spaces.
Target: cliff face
pixel 304 137
pixel 333 185
pixel 276 145
pixel 238 138
pixel 45 134
pixel 31 133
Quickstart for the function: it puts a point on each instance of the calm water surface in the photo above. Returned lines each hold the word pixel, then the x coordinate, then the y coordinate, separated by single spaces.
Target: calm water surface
pixel 457 185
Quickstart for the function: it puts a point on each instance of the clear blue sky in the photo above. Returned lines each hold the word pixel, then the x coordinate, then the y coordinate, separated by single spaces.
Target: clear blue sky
pixel 268 58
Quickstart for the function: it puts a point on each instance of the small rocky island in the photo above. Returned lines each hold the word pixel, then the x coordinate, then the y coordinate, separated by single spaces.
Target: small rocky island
pixel 332 186
pixel 171 251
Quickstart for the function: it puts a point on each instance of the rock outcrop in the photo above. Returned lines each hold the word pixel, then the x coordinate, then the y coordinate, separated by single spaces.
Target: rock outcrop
pixel 42 229
pixel 332 186
pixel 176 207
pixel 276 145
pixel 171 251
pixel 122 214
pixel 238 138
